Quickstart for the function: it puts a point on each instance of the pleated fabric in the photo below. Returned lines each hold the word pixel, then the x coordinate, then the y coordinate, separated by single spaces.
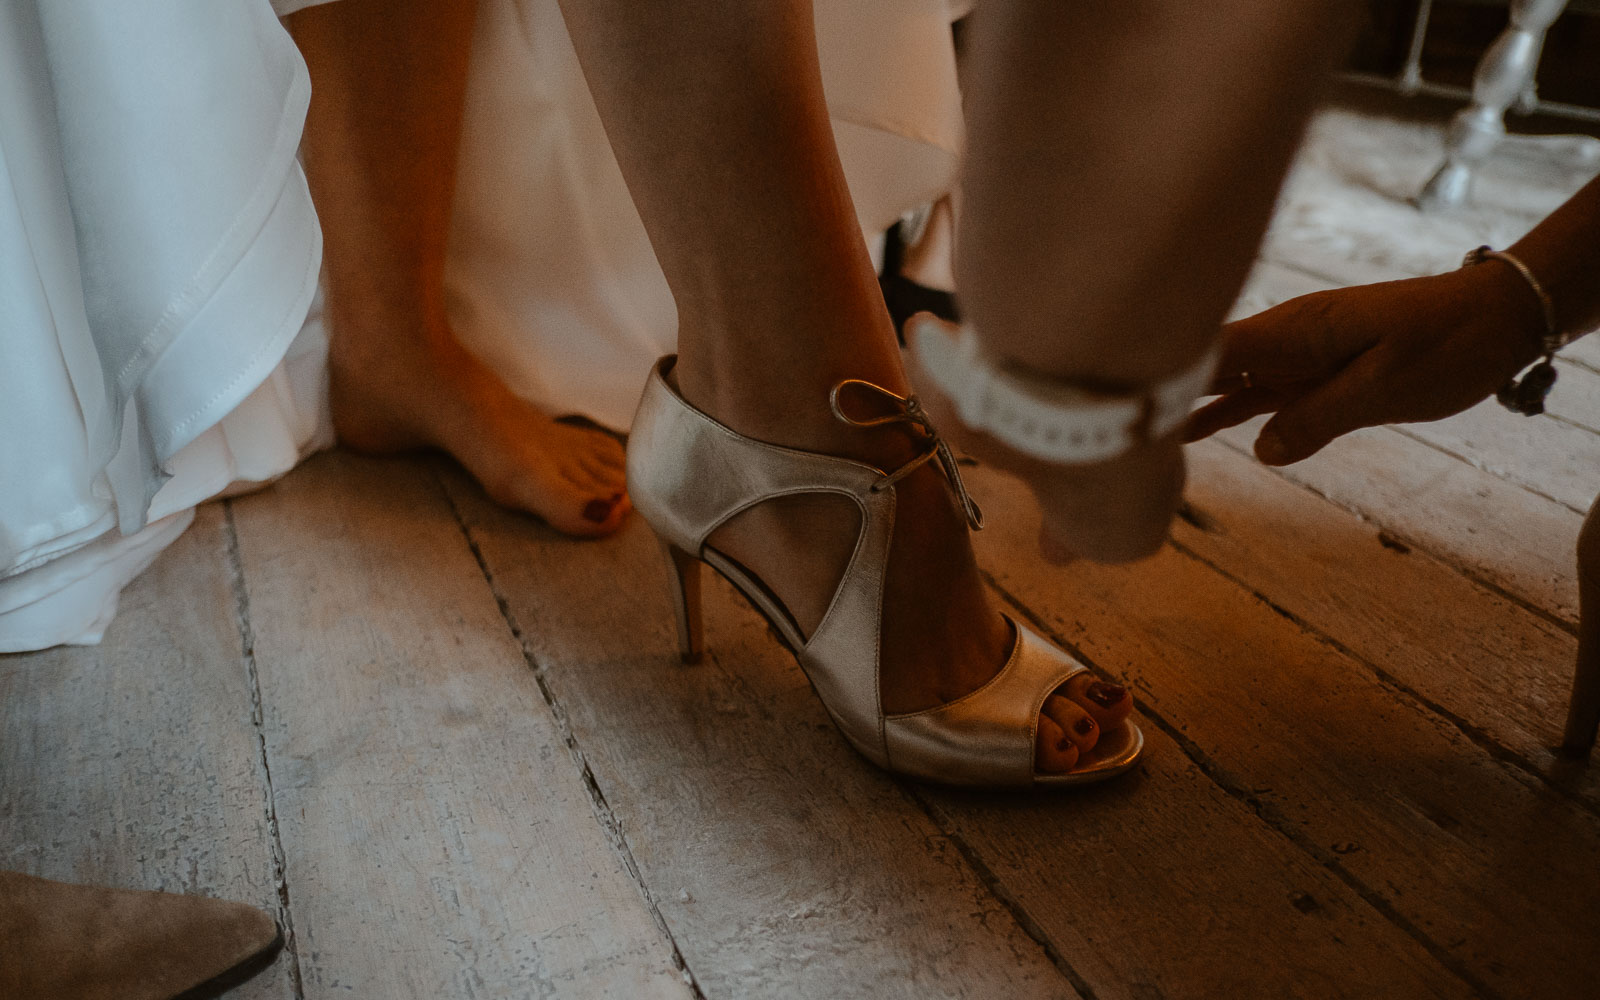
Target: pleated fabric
pixel 158 256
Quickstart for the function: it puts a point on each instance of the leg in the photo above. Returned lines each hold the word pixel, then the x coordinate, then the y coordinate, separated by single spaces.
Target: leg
pixel 1504 77
pixel 1114 204
pixel 716 113
pixel 1583 716
pixel 380 151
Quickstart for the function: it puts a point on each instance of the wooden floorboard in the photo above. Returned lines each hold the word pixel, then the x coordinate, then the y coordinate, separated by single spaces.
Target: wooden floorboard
pixel 809 873
pixel 1421 820
pixel 785 866
pixel 1168 884
pixel 456 754
pixel 1547 457
pixel 1512 540
pixel 136 763
pixel 440 838
pixel 1500 669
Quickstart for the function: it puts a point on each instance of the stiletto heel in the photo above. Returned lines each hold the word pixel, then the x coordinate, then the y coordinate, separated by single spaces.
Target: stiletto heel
pixel 688 475
pixel 686 601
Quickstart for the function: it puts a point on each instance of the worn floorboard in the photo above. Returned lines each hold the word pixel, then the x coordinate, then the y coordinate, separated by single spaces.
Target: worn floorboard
pixel 783 864
pixel 833 882
pixel 137 763
pixel 1504 671
pixel 1439 833
pixel 440 838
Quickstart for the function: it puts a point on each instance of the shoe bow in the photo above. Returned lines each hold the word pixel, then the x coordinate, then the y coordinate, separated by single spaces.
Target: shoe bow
pixel 908 410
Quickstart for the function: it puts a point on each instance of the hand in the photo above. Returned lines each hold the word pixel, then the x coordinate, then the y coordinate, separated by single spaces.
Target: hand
pixel 1113 512
pixel 1395 352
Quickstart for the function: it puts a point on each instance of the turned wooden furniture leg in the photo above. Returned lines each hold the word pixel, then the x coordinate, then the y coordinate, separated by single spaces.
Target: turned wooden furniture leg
pixel 1503 77
pixel 1583 716
pixel 1411 75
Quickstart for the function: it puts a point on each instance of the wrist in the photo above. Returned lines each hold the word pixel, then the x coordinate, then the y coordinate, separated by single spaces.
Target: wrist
pixel 1499 301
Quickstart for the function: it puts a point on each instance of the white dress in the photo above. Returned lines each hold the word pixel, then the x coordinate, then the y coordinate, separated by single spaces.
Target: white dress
pixel 158 255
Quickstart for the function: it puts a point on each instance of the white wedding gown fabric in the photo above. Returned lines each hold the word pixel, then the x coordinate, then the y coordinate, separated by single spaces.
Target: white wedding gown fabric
pixel 158 258
pixel 552 279
pixel 160 337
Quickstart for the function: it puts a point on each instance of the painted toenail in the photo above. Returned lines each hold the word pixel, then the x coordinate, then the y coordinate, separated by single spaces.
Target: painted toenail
pixel 1084 726
pixel 1063 745
pixel 598 510
pixel 1104 694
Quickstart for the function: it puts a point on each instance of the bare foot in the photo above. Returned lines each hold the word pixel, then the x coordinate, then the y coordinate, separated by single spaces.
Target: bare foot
pixel 427 391
pixel 942 636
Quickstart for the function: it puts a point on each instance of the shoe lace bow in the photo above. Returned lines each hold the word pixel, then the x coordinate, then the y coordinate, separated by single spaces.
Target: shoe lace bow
pixel 908 410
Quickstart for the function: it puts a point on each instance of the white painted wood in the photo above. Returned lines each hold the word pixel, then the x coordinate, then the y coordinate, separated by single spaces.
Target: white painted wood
pixel 1479 859
pixel 733 785
pixel 784 863
pixel 1549 457
pixel 1584 351
pixel 440 840
pixel 135 763
pixel 1578 398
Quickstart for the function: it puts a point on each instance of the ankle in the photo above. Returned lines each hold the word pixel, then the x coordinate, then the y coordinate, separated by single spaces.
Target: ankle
pixel 793 412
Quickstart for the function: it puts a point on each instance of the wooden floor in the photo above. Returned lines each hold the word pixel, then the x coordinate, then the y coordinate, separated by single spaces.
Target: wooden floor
pixel 457 755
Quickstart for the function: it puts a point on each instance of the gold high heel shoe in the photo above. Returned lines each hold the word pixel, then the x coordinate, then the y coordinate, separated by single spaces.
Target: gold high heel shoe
pixel 688 475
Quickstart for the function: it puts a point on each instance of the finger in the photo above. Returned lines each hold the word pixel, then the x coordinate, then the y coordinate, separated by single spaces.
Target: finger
pixel 1285 344
pixel 1229 411
pixel 1343 404
pixel 1255 345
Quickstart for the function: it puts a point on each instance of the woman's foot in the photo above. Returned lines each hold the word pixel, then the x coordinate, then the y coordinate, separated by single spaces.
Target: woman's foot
pixel 407 390
pixel 942 637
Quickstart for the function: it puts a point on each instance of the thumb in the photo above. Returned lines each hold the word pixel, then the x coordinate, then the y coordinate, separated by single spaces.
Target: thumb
pixel 1344 403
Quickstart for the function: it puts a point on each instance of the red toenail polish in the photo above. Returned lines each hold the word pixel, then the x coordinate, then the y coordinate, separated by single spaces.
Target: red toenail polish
pixel 1084 726
pixel 598 510
pixel 1064 745
pixel 1105 694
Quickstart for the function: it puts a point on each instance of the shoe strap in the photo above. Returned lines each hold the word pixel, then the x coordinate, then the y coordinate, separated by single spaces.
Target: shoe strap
pixel 689 474
pixel 908 410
